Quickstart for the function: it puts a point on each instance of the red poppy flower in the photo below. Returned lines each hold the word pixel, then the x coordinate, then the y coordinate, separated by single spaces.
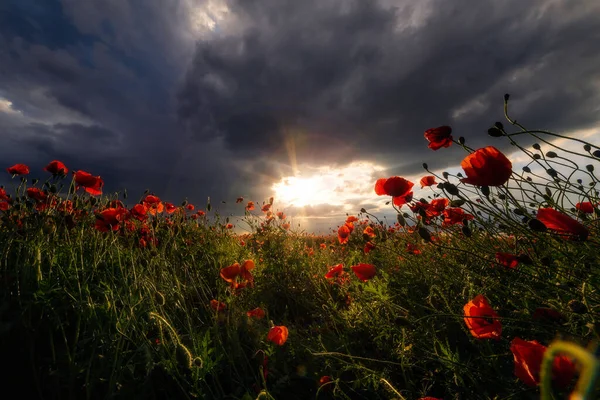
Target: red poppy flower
pixel 455 215
pixel 486 167
pixel 250 206
pixel 436 207
pixel 528 356
pixel 266 207
pixel 239 200
pixel 139 212
pixel 324 381
pixel 278 335
pixel 153 204
pixel 561 223
pixel 364 272
pixel 368 247
pixel 56 168
pixel 200 213
pixel 439 137
pixel 412 249
pixel 4 206
pixel 91 184
pixel 18 169
pixel 343 234
pixel 3 194
pixel 395 186
pixel 507 259
pixel 247 266
pixel 369 231
pixel 428 180
pixel 190 207
pixel 229 226
pixel 401 200
pixel 217 305
pixel 585 207
pixel 170 208
pixel 230 273
pixel 335 271
pixel 257 313
pixel 110 218
pixel 37 194
pixel 379 190
pixel 481 319
pixel 351 219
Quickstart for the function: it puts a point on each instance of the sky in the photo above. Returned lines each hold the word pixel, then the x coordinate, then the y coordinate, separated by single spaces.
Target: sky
pixel 193 99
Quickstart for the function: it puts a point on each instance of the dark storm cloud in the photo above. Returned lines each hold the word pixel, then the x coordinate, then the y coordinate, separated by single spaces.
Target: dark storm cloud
pixel 357 79
pixel 122 89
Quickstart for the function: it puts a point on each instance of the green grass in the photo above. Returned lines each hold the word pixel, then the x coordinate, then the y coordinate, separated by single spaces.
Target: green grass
pixel 86 314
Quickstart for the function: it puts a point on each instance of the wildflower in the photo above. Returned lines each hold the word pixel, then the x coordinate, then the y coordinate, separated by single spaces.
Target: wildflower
pixel 250 206
pixel 585 207
pixel 335 271
pixel 364 272
pixel 401 200
pixel 343 234
pixel 561 223
pixel 91 184
pixel 190 207
pixel 37 194
pixel 323 382
pixel 428 180
pixel 257 313
pixel 153 204
pixel 280 215
pixel 56 168
pixel 170 208
pixel 230 273
pixel 139 212
pixel 351 219
pixel 528 356
pixel 455 215
pixel 486 167
pixel 278 335
pixel 481 319
pixel 370 232
pixel 439 137
pixel 266 207
pixel 507 259
pixel 229 226
pixel 18 169
pixel 217 305
pixel 4 206
pixel 110 218
pixel 395 186
pixel 368 247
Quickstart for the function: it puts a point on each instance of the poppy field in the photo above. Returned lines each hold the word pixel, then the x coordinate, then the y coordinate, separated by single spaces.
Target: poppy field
pixel 486 288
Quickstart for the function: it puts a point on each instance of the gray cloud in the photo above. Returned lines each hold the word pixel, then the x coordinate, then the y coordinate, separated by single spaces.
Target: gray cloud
pixel 134 91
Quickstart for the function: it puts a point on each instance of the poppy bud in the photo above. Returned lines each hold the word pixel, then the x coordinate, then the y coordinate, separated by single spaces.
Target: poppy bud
pixel 445 175
pixel 502 196
pixel 486 191
pixel 551 154
pixel 499 125
pixel 587 147
pixel 461 140
pixel 579 181
pixel 495 132
pixel 362 210
pixel 577 307
pixel 536 146
pixel 536 225
pixel 457 203
pixel 466 231
pixel 552 172
pixel 536 156
pixel 125 194
pixel 518 211
pixel 401 220
pixel 506 97
pixel 146 191
pixel 424 233
pixel 526 169
pixel 549 192
pixel 596 153
pixel 450 188
pixel 525 259
pixel 589 167
pixel 184 203
pixel 53 189
pixel 425 166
